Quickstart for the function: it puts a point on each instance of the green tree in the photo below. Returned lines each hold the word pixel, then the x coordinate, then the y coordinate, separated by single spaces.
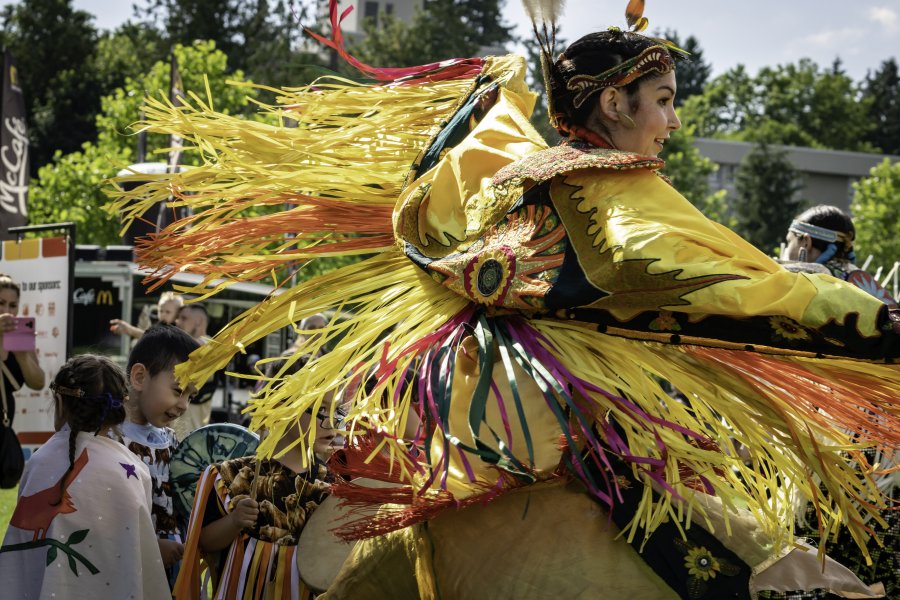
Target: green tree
pixel 726 107
pixel 260 37
pixel 795 104
pixel 876 213
pixel 882 90
pixel 766 186
pixel 693 73
pixel 70 187
pixel 443 29
pixel 129 51
pixel 54 46
pixel 689 172
pixel 485 19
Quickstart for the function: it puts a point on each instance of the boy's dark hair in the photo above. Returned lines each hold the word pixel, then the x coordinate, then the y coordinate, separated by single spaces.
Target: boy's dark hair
pixel 90 394
pixel 161 348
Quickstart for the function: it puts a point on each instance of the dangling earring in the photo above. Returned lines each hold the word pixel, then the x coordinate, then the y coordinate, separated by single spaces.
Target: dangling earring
pixel 627 121
pixel 802 256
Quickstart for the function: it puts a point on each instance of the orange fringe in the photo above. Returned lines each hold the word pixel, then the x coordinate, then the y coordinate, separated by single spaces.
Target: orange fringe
pixel 828 395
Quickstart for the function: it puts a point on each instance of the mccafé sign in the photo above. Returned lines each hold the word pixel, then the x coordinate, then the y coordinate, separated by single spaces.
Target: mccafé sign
pixel 89 296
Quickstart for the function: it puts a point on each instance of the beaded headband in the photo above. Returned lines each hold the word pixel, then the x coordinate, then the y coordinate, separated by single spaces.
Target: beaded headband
pixel 111 402
pixel 655 58
pixel 820 233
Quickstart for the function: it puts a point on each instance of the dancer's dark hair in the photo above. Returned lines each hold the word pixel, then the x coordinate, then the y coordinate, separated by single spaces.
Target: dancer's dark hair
pixel 833 218
pixel 594 54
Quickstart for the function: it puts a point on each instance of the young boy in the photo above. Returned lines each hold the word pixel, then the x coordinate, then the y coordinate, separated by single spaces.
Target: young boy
pixel 155 400
pixel 255 526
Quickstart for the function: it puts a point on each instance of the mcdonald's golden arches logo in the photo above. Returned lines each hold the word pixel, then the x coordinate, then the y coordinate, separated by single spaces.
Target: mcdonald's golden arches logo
pixel 104 297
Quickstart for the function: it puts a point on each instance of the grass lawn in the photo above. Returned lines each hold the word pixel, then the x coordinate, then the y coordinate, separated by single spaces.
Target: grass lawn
pixel 7 504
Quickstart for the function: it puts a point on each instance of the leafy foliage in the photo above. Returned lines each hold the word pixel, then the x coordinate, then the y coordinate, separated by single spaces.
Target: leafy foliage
pixel 881 90
pixel 262 38
pixel 53 44
pixel 766 185
pixel 876 213
pixel 70 187
pixel 691 74
pixel 129 51
pixel 796 104
pixel 445 29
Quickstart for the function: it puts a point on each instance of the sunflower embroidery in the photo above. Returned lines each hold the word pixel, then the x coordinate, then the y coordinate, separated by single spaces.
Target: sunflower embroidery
pixel 666 321
pixel 787 329
pixel 702 567
pixel 701 564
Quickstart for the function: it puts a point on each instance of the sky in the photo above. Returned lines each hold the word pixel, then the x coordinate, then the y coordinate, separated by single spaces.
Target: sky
pixel 756 33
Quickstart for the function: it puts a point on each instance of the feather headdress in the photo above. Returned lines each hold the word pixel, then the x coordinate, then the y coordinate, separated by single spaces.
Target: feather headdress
pixel 544 16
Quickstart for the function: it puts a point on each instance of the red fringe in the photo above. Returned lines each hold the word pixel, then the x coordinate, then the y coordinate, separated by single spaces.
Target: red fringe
pixel 388 519
pixel 457 68
pixel 368 517
pixel 350 462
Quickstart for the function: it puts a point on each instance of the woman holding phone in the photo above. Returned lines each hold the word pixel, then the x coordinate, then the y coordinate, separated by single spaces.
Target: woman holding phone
pixel 17 368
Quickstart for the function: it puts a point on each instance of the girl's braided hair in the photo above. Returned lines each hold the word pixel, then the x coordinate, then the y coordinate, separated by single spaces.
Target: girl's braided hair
pixel 90 394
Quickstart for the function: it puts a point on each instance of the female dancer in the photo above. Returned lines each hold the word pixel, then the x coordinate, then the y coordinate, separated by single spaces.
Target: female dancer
pixel 540 295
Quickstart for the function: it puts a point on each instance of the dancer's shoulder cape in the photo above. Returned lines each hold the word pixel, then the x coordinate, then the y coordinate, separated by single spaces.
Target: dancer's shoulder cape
pixel 519 311
pixel 98 542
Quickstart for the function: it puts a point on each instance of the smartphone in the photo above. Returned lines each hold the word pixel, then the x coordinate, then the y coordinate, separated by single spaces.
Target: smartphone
pixel 22 338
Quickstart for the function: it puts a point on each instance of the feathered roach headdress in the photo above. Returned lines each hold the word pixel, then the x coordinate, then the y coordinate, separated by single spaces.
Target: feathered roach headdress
pixel 658 57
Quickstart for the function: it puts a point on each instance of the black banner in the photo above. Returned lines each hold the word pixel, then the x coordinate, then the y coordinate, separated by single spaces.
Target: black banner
pixel 13 152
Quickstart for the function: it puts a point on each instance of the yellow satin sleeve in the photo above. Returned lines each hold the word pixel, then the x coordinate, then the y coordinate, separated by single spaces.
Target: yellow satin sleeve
pixel 618 216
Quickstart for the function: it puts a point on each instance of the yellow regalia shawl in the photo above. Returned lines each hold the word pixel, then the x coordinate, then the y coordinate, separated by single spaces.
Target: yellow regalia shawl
pixel 520 311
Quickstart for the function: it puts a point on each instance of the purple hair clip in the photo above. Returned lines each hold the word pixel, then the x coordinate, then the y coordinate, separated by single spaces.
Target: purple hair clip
pixel 110 400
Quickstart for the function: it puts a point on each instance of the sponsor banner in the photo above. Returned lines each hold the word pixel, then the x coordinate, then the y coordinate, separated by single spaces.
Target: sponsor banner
pixel 13 151
pixel 41 268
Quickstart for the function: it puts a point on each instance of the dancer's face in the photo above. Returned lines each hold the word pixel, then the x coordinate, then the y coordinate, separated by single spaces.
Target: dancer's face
pixel 654 119
pixel 326 425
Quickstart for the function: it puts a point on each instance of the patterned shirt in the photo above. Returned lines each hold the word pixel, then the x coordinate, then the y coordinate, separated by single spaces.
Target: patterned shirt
pixel 155 446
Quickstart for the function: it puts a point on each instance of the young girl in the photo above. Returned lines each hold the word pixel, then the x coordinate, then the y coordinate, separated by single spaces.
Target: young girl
pixel 82 527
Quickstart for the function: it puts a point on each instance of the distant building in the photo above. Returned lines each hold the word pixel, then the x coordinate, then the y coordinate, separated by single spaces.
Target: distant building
pixel 370 9
pixel 828 175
